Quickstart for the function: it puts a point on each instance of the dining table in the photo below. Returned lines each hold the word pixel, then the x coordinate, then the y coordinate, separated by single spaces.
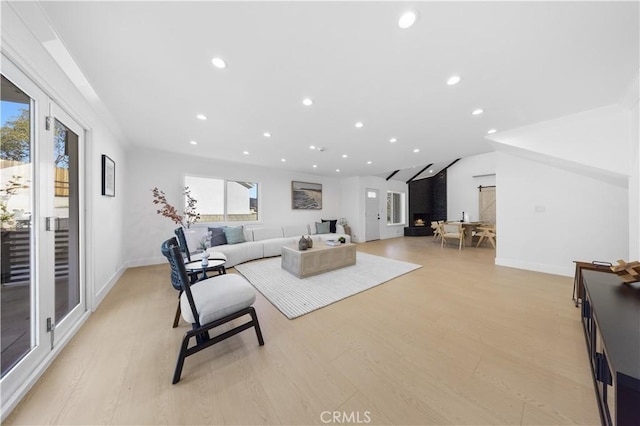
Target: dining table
pixel 468 227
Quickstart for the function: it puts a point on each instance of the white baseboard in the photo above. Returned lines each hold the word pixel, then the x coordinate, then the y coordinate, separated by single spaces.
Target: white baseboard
pixel 567 271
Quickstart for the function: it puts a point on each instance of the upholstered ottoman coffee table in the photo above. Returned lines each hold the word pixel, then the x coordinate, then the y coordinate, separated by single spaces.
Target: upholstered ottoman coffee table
pixel 318 259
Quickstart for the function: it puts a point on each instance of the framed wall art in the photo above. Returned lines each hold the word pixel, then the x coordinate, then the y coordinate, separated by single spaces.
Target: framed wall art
pixel 108 177
pixel 306 196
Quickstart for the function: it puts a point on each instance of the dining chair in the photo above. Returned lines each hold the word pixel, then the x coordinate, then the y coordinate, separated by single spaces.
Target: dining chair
pixel 209 304
pixel 453 231
pixel 487 233
pixel 437 230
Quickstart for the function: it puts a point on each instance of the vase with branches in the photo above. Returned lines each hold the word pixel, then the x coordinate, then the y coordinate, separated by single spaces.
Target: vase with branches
pixel 190 215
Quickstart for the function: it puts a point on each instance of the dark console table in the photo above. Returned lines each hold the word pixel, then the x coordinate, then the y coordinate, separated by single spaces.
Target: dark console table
pixel 611 320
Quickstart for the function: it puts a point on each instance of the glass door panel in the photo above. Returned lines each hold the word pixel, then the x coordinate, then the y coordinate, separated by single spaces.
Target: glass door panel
pixel 65 161
pixel 16 199
pixel 62 151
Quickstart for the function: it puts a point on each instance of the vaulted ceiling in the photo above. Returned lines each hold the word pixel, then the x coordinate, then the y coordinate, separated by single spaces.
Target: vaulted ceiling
pixel 150 64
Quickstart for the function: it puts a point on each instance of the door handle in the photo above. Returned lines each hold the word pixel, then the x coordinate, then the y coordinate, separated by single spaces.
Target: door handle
pixel 52 223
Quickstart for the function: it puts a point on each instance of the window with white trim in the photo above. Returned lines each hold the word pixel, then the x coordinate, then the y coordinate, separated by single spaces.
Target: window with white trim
pixel 221 200
pixel 395 208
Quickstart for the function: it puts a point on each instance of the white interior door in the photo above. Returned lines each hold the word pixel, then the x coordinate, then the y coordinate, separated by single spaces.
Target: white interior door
pixel 372 214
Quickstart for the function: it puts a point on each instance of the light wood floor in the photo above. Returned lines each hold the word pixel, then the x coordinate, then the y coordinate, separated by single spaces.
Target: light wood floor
pixel 459 341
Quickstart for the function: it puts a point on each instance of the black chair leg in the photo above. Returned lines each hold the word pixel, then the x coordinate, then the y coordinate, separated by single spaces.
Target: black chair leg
pixel 177 317
pixel 256 325
pixel 181 356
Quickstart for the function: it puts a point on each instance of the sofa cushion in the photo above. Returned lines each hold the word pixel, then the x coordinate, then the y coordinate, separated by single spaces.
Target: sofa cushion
pixel 322 228
pixel 234 234
pixel 218 297
pixel 332 225
pixel 261 234
pixel 217 237
pixel 295 231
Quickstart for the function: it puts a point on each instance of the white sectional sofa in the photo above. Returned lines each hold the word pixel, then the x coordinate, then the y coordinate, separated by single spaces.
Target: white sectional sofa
pixel 268 241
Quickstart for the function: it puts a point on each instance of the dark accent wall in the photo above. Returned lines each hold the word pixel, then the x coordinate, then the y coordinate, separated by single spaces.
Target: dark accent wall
pixel 428 198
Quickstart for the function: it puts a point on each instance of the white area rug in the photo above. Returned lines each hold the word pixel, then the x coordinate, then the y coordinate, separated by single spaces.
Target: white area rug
pixel 295 297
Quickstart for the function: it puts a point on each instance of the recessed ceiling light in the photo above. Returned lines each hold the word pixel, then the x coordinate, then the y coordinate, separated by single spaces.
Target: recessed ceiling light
pixel 245 152
pixel 283 159
pixel 416 150
pixel 430 171
pixel 315 166
pixel 201 117
pixel 312 147
pixel 491 131
pixel 393 140
pixel 219 63
pixel 338 170
pixel 369 162
pixel 344 155
pixel 307 102
pixel 454 79
pixel 407 19
pixel 477 111
pixel 267 134
pixel 193 142
pixel 359 124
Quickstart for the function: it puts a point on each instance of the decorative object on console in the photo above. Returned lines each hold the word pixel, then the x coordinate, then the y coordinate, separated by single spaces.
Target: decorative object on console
pixel 341 240
pixel 628 272
pixel 302 244
pixel 332 243
pixel 190 216
pixel 309 242
pixel 306 196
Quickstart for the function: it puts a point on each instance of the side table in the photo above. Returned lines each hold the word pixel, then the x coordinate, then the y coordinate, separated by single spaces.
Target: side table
pixel 213 265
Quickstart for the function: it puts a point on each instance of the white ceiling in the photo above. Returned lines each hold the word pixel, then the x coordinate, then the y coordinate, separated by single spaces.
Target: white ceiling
pixel 150 65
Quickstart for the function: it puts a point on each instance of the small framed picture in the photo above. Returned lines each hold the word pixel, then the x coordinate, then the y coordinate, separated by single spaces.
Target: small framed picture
pixel 108 177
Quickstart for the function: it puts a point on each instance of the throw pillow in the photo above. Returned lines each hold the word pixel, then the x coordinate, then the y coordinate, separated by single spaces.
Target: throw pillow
pixel 332 225
pixel 217 237
pixel 322 228
pixel 234 234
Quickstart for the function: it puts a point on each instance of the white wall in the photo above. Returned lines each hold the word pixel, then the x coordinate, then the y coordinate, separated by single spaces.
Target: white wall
pixel 463 179
pixel 149 168
pixel 593 138
pixel 548 217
